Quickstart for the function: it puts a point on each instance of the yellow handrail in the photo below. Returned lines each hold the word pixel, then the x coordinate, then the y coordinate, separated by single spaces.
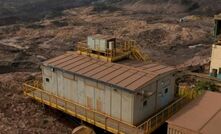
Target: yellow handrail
pixel 158 119
pixel 35 90
pixel 32 89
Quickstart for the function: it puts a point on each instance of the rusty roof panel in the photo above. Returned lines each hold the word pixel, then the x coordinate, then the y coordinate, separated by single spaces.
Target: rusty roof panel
pixel 114 74
pixel 96 70
pixel 82 66
pixel 56 58
pixel 61 61
pixel 74 59
pixel 106 72
pixel 159 67
pixel 79 62
pixel 131 79
pixel 148 66
pixel 124 76
pixel 138 83
pixel 90 68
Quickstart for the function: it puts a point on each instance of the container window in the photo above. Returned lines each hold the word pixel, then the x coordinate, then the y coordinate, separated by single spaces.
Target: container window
pixel 166 90
pixel 144 103
pixel 214 72
pixel 115 90
pixel 47 80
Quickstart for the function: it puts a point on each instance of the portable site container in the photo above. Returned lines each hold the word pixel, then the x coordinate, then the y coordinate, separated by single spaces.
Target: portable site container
pixel 201 116
pixel 215 66
pixel 130 94
pixel 101 43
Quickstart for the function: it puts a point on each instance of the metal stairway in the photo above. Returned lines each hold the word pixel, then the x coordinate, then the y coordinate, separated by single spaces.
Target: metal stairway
pixel 136 51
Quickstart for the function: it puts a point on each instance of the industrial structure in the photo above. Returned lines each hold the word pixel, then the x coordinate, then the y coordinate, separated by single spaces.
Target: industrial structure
pixel 119 98
pixel 215 67
pixel 94 85
pixel 127 93
pixel 108 48
pixel 201 116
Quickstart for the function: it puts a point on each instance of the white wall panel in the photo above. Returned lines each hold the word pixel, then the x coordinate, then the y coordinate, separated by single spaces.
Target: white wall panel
pixel 60 83
pixel 127 107
pixel 99 99
pixel 81 91
pixel 107 103
pixel 90 96
pixel 116 103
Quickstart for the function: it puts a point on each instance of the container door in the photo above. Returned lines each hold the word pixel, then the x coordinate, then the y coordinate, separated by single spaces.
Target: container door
pixel 165 97
pixel 99 99
pixel 54 84
pixel 70 89
pixel 110 45
pixel 103 45
pixel 89 96
pixel 97 44
pixel 116 103
pixel 164 91
pixel 81 92
pixel 126 107
pixel 90 42
pixel 60 84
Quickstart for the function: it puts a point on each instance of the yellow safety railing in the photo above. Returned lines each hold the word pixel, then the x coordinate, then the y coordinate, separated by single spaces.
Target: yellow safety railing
pixel 34 89
pixel 136 51
pixel 158 119
pixel 188 92
pixel 128 46
pixel 82 47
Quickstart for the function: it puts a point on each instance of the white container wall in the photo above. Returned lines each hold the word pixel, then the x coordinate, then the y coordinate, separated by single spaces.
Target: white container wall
pixel 118 103
pixel 153 97
pixel 102 98
pixel 97 44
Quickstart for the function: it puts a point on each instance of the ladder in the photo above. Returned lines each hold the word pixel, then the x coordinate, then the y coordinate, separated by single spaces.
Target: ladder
pixel 136 51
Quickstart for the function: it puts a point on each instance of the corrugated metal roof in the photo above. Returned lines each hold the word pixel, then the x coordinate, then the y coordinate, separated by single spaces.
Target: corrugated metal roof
pixel 202 115
pixel 123 76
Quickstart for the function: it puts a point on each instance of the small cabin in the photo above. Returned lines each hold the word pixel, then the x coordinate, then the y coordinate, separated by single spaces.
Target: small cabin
pixel 101 43
pixel 127 93
pixel 215 66
pixel 104 47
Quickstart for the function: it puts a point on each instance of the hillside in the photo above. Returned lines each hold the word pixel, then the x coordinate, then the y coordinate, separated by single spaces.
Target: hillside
pixel 32 31
pixel 174 6
pixel 17 11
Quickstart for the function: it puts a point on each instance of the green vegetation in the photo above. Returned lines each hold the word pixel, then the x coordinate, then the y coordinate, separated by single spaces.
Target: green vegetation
pixel 205 85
